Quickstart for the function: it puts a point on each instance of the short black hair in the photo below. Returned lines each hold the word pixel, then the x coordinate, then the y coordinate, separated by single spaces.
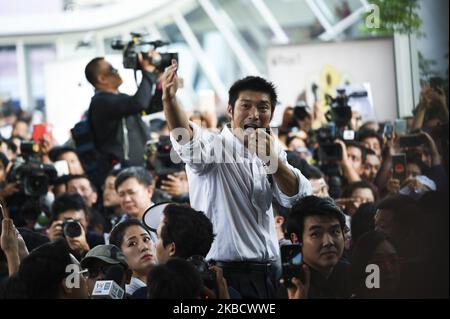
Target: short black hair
pixel 114 172
pixel 190 230
pixel 368 133
pixel 43 270
pixel 252 83
pixel 176 279
pixel 312 206
pixel 68 201
pixel 141 174
pixel 350 188
pixel 117 233
pixel 71 177
pixel 92 69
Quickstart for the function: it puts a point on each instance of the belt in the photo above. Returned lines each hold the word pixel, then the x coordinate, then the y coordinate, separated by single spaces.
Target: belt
pixel 245 265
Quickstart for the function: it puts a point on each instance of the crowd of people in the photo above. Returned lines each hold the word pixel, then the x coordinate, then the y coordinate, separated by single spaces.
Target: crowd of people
pixel 367 215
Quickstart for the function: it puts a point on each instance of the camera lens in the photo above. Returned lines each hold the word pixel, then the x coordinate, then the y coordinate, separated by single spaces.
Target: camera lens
pixel 72 229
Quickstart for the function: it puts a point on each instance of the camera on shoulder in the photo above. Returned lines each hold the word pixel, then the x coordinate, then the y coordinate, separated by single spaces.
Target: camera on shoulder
pixel 133 47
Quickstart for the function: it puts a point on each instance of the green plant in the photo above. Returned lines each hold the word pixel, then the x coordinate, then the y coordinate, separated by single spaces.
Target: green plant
pixel 396 16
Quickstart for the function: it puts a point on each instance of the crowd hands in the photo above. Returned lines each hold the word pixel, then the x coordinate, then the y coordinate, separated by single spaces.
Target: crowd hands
pixel 365 208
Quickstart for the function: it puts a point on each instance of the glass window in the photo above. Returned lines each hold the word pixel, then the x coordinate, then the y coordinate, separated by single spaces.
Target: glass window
pixel 9 78
pixel 37 57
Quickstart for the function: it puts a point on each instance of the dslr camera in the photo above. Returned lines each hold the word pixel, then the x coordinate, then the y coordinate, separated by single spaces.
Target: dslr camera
pixel 32 176
pixel 71 227
pixel 131 49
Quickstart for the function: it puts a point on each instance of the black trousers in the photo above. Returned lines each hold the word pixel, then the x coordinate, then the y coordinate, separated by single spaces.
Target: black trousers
pixel 251 280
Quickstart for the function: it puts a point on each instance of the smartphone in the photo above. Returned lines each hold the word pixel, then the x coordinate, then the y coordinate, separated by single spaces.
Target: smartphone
pixel 291 261
pixel 62 168
pixel 388 130
pixel 400 127
pixel 399 167
pixel 414 140
pixel 159 181
pixel 39 131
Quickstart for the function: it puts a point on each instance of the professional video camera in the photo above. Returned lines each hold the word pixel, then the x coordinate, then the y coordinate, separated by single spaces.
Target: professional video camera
pixel 32 176
pixel 159 152
pixel 132 48
pixel 340 112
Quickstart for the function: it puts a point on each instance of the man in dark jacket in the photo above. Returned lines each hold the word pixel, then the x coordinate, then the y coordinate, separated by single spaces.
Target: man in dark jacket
pixel 114 117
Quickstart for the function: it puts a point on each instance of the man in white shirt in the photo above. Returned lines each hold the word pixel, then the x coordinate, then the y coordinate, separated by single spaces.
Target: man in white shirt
pixel 233 178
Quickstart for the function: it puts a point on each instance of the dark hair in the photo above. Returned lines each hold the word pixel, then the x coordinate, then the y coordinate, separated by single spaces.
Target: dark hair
pixel 92 69
pixel 414 158
pixel 141 174
pixel 362 253
pixel 312 206
pixel 190 230
pixel 42 271
pixel 350 188
pixel 309 171
pixel 176 279
pixel 252 83
pixel 363 220
pixel 360 146
pixel 117 233
pixel 291 138
pixel 114 172
pixel 368 133
pixel 71 177
pixel 68 201
pixel 404 210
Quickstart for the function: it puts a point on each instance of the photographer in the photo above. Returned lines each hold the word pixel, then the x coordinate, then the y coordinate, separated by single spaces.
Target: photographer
pixel 70 221
pixel 118 130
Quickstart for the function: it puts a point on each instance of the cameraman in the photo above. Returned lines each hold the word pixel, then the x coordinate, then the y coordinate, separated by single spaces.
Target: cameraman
pixel 70 208
pixel 114 117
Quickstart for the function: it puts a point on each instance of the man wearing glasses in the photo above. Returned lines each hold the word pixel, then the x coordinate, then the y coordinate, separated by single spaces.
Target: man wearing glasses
pixel 99 259
pixel 115 118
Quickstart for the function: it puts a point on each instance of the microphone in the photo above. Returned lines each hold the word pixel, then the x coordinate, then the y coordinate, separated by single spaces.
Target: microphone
pixel 109 287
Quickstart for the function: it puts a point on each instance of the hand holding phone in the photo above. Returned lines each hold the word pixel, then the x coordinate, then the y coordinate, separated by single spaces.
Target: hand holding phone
pixel 399 167
pixel 291 261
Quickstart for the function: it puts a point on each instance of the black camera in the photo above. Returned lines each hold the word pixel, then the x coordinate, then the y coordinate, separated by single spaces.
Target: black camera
pixel 163 163
pixel 207 275
pixel 340 112
pixel 132 48
pixel 71 227
pixel 32 176
pixel 329 151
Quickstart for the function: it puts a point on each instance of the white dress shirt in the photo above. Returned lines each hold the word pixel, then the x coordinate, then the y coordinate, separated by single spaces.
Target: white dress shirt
pixel 236 195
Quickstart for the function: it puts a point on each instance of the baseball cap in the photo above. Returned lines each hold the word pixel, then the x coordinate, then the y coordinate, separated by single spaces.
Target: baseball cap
pixel 109 254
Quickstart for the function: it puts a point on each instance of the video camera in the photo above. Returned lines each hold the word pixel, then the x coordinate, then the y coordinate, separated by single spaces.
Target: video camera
pixel 162 163
pixel 340 112
pixel 131 50
pixel 32 176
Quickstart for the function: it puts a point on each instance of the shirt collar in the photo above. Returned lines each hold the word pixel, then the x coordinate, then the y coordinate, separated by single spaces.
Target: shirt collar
pixel 233 140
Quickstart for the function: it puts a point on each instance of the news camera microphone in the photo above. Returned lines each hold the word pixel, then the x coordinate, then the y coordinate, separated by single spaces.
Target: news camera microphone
pixel 109 288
